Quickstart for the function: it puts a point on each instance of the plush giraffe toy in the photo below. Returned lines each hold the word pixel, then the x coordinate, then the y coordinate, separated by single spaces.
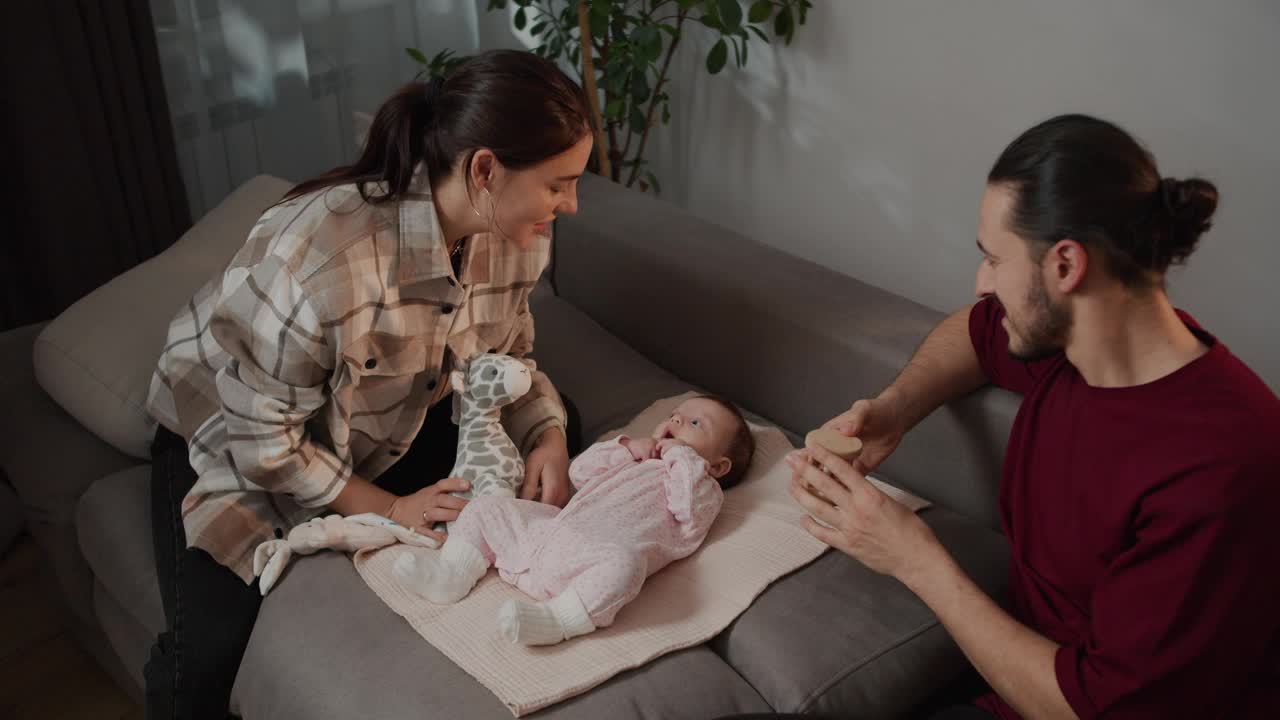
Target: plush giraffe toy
pixel 486 456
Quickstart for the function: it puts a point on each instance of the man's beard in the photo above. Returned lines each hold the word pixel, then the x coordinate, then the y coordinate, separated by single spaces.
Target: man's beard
pixel 1049 326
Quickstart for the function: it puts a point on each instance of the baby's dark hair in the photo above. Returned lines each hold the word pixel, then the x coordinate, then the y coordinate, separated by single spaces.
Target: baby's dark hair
pixel 741 448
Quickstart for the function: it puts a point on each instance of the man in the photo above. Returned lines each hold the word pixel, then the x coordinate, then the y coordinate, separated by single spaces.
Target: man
pixel 1142 476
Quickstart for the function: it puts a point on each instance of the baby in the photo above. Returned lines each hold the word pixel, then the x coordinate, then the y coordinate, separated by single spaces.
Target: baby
pixel 641 503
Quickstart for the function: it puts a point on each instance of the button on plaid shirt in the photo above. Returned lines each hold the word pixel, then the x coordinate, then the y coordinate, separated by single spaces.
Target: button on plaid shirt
pixel 319 350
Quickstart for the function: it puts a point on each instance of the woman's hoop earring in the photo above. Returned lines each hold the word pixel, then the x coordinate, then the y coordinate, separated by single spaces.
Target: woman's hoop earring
pixel 492 208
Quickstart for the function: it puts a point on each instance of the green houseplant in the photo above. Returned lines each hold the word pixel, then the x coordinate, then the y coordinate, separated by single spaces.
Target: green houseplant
pixel 622 50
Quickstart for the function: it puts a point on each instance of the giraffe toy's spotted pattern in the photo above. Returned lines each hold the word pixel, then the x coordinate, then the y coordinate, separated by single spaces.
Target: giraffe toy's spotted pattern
pixel 486 456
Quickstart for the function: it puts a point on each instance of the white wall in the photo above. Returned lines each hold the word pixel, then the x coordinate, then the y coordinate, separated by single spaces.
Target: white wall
pixel 865 144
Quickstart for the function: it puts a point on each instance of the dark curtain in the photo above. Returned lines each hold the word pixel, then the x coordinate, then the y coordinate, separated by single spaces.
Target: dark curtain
pixel 91 180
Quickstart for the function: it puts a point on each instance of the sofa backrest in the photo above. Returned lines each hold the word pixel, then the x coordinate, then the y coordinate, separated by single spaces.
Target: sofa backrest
pixel 784 337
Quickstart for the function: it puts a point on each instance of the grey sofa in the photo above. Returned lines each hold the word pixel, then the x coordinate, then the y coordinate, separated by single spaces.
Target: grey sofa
pixel 644 301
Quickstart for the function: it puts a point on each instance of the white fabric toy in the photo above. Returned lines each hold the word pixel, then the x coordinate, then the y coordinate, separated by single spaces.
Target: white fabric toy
pixel 333 532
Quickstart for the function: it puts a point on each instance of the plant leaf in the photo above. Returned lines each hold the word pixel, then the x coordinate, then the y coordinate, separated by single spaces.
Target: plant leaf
pixel 639 86
pixel 730 15
pixel 599 22
pixel 649 41
pixel 783 24
pixel 760 11
pixel 717 57
pixel 653 180
pixel 521 19
pixel 416 54
pixel 637 120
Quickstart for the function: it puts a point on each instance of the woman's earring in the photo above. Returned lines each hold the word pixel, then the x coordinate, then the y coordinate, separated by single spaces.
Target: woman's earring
pixel 493 208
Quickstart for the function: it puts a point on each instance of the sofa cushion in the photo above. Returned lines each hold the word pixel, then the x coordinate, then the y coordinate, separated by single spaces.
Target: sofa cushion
pixel 114 525
pixel 375 666
pixel 837 638
pixel 130 641
pixel 609 382
pixel 97 357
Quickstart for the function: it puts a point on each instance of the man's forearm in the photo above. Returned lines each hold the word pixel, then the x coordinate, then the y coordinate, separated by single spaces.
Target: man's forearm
pixel 943 368
pixel 1015 660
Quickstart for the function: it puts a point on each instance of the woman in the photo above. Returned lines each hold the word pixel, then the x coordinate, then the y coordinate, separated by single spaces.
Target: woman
pixel 308 377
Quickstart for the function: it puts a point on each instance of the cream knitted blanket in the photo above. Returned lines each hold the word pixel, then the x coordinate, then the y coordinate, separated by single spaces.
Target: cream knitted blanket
pixel 756 539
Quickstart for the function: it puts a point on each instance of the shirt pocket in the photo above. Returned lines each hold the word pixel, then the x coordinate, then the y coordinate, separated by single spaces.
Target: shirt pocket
pixel 384 372
pixel 492 337
pixel 385 355
pixel 382 369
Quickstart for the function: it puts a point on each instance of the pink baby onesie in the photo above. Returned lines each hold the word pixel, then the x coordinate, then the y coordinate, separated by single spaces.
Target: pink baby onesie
pixel 627 521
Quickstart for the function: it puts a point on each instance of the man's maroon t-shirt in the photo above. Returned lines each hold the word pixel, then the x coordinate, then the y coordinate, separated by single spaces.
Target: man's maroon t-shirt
pixel 1144 529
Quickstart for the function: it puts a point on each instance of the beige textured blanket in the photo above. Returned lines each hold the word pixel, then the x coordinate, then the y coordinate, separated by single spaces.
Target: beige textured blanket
pixel 756 539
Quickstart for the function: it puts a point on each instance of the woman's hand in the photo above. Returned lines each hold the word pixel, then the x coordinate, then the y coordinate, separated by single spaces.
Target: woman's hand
pixel 430 505
pixel 548 467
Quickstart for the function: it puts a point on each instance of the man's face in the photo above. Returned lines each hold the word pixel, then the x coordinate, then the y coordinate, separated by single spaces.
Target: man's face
pixel 1038 325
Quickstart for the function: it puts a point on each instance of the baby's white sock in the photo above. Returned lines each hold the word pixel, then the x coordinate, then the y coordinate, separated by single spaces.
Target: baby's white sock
pixel 446 578
pixel 545 623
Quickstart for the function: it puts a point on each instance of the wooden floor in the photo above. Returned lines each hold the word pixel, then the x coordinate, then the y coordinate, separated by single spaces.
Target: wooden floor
pixel 43 672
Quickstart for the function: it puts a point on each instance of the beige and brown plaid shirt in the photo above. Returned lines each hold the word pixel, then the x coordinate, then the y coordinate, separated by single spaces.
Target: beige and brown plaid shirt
pixel 319 350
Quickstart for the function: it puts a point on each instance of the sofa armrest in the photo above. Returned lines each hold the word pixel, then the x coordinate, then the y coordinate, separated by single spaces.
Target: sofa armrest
pixel 49 457
pixel 51 460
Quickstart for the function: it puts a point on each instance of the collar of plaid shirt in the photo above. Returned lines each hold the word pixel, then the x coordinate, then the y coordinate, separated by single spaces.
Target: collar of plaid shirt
pixel 423 255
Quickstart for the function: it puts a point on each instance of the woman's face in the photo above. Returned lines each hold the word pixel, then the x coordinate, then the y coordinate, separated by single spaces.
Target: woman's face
pixel 525 202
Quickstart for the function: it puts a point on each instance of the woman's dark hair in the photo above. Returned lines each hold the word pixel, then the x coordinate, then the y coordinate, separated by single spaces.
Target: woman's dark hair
pixel 1079 177
pixel 519 105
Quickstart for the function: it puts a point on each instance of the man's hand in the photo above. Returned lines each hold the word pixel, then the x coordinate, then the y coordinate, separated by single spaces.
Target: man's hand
pixel 878 423
pixel 547 467
pixel 865 523
pixel 641 448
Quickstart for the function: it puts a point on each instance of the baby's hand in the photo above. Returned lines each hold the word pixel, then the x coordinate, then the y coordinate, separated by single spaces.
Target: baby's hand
pixel 641 448
pixel 666 444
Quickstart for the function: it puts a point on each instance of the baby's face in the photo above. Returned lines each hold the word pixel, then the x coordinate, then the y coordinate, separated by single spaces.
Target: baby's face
pixel 701 424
